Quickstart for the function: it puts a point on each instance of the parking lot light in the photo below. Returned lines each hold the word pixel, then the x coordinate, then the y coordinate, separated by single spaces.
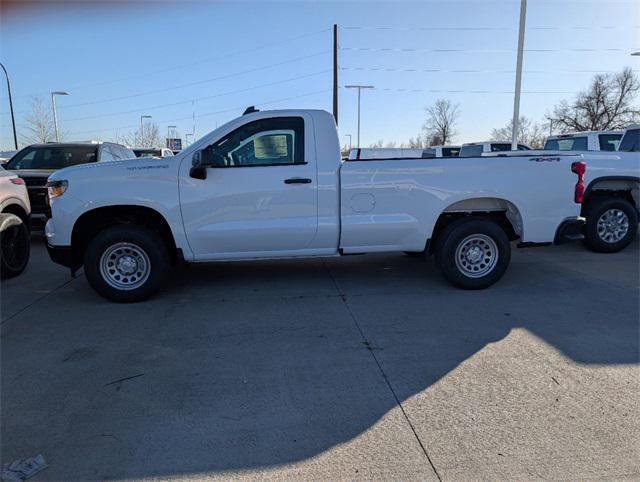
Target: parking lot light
pixel 55 114
pixel 142 117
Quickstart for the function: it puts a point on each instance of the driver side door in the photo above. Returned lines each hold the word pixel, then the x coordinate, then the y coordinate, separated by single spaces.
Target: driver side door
pixel 259 197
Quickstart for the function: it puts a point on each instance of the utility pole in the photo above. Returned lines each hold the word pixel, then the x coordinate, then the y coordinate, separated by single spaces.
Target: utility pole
pixel 335 72
pixel 13 119
pixel 55 113
pixel 359 87
pixel 516 97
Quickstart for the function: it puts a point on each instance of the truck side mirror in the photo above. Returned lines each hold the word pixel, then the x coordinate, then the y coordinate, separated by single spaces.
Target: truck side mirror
pixel 198 167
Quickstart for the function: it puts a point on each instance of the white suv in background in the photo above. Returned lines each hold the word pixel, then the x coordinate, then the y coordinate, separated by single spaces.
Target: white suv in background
pixel 584 141
pixel 14 224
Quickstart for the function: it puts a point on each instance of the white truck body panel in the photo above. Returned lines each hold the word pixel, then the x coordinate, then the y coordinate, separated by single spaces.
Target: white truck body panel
pixel 359 206
pixel 393 206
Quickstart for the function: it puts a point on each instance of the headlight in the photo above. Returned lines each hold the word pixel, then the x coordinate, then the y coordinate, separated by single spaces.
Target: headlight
pixel 56 188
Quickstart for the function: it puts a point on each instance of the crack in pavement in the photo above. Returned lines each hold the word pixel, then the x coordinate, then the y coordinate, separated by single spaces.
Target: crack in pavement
pixel 37 300
pixel 367 343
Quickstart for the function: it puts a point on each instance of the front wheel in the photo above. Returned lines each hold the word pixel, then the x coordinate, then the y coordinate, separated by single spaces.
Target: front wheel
pixel 15 245
pixel 611 225
pixel 473 253
pixel 126 263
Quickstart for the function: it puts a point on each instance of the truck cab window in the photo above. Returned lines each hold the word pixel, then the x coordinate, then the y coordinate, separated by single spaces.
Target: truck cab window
pixel 269 142
pixel 609 142
pixel 631 141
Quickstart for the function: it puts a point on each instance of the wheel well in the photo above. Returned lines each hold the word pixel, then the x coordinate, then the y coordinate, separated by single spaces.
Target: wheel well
pixel 620 188
pixel 92 222
pixel 501 218
pixel 18 211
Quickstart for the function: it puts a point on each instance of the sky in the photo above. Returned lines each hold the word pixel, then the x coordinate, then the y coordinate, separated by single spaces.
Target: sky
pixel 196 65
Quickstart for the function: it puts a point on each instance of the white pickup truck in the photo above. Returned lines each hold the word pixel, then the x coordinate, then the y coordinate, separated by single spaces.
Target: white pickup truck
pixel 584 141
pixel 612 195
pixel 272 185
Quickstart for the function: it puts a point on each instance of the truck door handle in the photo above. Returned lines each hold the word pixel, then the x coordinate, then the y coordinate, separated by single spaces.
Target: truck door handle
pixel 297 180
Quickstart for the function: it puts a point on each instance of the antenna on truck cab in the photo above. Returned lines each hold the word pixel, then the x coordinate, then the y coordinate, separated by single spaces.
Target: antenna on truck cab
pixel 249 110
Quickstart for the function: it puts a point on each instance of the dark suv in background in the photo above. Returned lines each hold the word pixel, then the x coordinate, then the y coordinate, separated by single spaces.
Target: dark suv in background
pixel 37 162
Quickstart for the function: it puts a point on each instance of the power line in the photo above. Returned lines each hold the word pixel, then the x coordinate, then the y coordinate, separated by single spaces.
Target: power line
pixel 466 71
pixel 188 101
pixel 198 62
pixel 208 114
pixel 198 82
pixel 426 28
pixel 483 51
pixel 492 29
pixel 445 91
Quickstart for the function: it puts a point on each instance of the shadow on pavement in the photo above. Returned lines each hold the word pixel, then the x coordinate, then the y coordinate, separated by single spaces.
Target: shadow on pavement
pixel 242 366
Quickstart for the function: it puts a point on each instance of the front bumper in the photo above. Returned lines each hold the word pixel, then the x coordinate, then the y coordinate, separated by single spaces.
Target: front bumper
pixel 61 255
pixel 570 230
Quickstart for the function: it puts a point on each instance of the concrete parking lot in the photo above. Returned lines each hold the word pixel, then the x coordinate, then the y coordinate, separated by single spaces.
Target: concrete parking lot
pixel 354 368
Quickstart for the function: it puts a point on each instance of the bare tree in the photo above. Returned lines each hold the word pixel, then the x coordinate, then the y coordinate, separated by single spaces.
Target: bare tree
pixel 529 132
pixel 39 122
pixel 149 137
pixel 416 142
pixel 608 103
pixel 439 128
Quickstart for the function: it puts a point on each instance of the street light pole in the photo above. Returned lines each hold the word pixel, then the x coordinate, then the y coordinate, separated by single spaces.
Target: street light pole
pixel 516 97
pixel 349 136
pixel 359 87
pixel 142 117
pixel 13 119
pixel 55 113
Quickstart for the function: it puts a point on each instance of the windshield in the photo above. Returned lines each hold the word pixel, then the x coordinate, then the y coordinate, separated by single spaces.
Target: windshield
pixel 566 144
pixel 52 157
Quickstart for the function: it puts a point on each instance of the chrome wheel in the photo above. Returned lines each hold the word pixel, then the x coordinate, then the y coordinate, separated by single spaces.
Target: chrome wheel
pixel 125 266
pixel 613 226
pixel 476 255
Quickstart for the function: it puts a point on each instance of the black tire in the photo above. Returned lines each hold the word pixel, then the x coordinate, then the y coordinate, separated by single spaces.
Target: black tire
pixel 141 243
pixel 15 245
pixel 598 240
pixel 459 233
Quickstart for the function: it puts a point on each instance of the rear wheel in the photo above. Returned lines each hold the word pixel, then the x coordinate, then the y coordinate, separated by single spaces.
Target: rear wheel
pixel 126 263
pixel 473 253
pixel 611 225
pixel 15 245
